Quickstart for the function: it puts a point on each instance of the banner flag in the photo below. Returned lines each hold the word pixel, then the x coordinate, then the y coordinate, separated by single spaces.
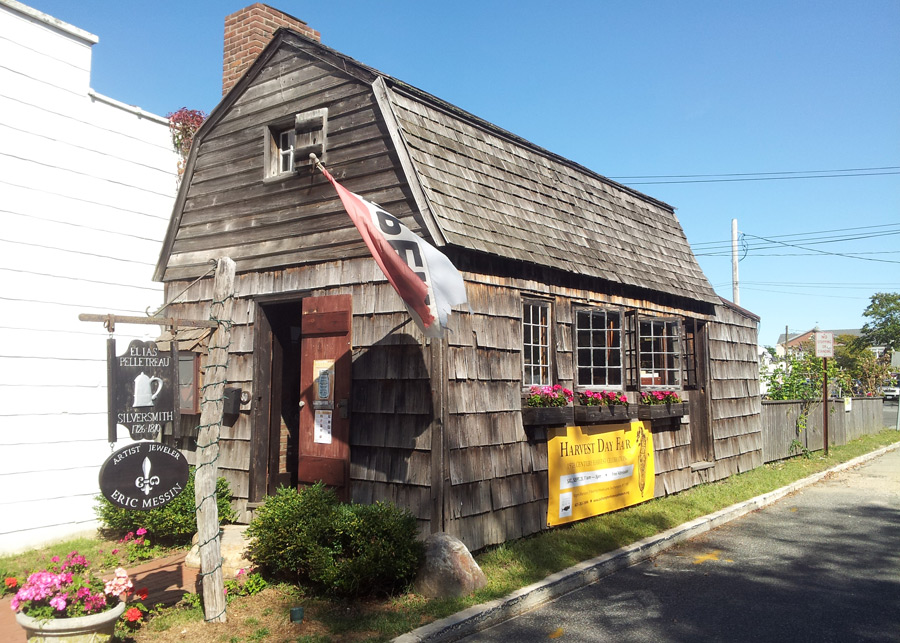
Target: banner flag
pixel 426 280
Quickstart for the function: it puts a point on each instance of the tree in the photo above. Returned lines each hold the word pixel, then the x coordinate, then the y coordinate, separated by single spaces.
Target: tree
pixel 854 357
pixel 883 329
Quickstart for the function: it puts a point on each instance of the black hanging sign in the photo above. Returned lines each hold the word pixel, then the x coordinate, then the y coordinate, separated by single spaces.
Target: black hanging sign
pixel 143 476
pixel 142 386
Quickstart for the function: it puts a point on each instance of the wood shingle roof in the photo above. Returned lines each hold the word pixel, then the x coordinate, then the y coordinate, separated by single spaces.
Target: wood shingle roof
pixel 481 188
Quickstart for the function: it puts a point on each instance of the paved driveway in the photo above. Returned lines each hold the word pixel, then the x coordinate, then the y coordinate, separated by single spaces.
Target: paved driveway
pixel 820 565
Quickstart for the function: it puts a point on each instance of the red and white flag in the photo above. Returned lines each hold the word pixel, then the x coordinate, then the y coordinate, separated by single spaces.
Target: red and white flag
pixel 422 275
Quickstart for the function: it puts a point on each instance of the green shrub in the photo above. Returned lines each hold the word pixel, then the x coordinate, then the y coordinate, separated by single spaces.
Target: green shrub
pixel 309 537
pixel 173 524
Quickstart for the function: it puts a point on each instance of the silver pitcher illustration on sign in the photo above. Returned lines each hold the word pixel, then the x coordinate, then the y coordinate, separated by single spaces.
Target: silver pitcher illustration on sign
pixel 144 392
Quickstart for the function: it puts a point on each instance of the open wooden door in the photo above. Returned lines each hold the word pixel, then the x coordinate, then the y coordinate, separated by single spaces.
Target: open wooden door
pixel 325 362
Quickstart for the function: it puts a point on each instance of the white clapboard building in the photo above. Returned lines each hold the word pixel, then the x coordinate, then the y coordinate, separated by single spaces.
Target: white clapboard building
pixel 86 189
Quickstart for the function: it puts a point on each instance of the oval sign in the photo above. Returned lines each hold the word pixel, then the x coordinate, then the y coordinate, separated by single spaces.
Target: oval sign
pixel 144 476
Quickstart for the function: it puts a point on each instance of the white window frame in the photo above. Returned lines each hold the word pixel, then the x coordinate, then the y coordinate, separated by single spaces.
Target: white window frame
pixel 660 352
pixel 593 356
pixel 536 343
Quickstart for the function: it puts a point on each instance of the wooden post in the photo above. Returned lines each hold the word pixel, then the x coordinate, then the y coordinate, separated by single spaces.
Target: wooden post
pixel 825 402
pixel 208 444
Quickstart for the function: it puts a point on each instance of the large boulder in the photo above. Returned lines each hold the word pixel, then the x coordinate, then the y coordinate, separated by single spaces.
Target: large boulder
pixel 449 569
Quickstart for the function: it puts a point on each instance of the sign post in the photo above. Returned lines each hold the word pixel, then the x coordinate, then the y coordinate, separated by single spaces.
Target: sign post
pixel 211 412
pixel 825 349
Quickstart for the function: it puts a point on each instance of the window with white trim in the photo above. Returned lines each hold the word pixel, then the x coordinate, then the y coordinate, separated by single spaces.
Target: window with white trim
pixel 290 141
pixel 659 353
pixel 286 151
pixel 535 343
pixel 598 348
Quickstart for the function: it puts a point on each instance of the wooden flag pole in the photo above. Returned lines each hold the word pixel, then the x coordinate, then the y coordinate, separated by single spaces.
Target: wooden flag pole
pixel 211 414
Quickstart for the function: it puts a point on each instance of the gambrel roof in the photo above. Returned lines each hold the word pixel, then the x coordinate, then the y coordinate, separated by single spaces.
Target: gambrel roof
pixel 471 185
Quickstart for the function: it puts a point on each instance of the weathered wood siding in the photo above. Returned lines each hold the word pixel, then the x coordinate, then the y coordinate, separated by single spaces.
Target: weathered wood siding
pixel 230 210
pixel 390 438
pixel 497 468
pixel 779 425
pixel 734 393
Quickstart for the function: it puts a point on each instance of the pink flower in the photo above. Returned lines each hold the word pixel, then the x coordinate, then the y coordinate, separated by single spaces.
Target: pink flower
pixel 118 584
pixel 141 531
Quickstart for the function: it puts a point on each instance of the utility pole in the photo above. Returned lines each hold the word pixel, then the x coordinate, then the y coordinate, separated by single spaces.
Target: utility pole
pixel 735 285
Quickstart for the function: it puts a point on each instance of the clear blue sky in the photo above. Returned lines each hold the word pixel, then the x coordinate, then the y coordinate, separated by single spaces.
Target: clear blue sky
pixel 628 89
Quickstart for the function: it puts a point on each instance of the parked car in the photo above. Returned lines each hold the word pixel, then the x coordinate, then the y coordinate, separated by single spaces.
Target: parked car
pixel 891 392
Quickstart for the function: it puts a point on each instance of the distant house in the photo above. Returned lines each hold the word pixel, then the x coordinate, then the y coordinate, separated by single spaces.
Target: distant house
pixel 794 342
pixel 571 277
pixel 87 185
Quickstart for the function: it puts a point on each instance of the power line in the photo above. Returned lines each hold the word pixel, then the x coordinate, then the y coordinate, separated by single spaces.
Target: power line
pixel 759 176
pixel 693 176
pixel 855 229
pixel 824 252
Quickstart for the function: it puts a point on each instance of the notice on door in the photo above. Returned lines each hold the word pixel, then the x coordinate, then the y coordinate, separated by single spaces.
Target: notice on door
pixel 323 384
pixel 322 431
pixel 592 472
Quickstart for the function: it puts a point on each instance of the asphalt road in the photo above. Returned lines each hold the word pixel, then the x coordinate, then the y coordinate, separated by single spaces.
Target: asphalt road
pixel 821 565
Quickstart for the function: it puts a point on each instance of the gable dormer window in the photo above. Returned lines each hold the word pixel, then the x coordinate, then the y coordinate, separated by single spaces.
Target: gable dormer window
pixel 290 141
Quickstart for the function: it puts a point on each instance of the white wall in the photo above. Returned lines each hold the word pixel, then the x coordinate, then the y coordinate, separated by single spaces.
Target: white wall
pixel 86 190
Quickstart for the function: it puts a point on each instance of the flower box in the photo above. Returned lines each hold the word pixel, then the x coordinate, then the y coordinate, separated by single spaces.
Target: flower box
pixel 548 415
pixel 660 411
pixel 604 413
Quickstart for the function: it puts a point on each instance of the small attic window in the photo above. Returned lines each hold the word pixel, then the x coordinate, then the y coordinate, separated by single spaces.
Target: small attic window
pixel 289 143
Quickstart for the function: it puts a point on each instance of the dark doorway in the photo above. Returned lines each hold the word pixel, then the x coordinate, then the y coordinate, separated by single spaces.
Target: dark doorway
pixel 276 413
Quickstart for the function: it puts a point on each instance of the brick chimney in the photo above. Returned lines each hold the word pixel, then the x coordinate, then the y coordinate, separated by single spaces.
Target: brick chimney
pixel 247 32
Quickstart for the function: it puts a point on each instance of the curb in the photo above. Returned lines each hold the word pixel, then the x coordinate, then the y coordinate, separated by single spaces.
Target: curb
pixel 485 615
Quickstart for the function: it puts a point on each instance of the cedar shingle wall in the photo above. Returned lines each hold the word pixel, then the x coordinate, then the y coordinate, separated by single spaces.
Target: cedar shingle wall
pixel 734 393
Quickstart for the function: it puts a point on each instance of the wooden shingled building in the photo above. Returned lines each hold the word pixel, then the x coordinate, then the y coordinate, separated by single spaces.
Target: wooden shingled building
pixel 571 278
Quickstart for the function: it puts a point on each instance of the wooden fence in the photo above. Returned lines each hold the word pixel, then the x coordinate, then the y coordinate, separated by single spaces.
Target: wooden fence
pixel 779 425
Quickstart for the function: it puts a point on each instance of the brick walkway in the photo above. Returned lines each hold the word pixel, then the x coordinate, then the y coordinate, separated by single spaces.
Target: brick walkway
pixel 166 580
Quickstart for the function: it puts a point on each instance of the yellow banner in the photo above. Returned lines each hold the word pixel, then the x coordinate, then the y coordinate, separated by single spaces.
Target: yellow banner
pixel 597 469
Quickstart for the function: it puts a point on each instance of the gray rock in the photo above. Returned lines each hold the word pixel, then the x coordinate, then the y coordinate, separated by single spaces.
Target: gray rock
pixel 449 569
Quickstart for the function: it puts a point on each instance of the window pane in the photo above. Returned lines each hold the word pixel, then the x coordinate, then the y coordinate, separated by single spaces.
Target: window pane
pixel 598 348
pixel 535 344
pixel 660 353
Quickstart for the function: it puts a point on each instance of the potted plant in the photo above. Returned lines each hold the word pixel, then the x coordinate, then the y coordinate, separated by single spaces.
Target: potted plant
pixel 656 405
pixel 66 602
pixel 549 405
pixel 603 406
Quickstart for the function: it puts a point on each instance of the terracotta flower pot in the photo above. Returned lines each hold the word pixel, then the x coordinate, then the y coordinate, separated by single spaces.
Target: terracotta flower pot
pixel 94 628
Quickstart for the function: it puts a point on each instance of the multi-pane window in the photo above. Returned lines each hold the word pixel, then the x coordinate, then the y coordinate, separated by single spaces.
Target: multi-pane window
pixel 286 151
pixel 660 353
pixel 598 336
pixel 536 343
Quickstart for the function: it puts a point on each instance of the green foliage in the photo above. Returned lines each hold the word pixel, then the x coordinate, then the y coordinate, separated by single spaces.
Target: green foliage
pixel 173 524
pixel 308 536
pixel 883 329
pixel 864 370
pixel 245 584
pixel 801 377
